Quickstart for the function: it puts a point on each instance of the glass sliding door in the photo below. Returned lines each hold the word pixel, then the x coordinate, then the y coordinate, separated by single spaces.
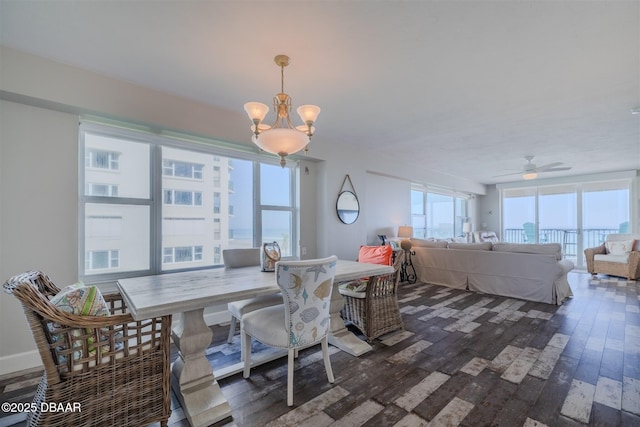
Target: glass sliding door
pixel 605 210
pixel 519 209
pixel 577 216
pixel 558 218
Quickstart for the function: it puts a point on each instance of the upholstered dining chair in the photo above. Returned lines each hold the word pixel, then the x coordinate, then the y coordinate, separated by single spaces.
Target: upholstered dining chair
pixel 249 257
pixel 306 290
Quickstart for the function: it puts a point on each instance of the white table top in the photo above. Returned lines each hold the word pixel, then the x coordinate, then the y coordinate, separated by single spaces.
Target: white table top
pixel 159 295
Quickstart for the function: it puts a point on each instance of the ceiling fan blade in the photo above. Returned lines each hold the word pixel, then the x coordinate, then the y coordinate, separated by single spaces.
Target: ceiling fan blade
pixel 547 167
pixel 556 169
pixel 507 174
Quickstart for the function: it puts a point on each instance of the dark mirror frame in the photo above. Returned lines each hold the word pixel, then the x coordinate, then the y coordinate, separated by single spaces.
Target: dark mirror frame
pixel 347 213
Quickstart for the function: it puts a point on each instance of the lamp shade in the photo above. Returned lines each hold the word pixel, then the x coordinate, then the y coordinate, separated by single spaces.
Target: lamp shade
pixel 256 110
pixel 281 141
pixel 405 231
pixel 529 175
pixel 308 113
pixel 466 227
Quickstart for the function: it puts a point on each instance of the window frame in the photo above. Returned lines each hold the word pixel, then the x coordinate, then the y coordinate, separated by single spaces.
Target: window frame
pixel 155 200
pixel 460 201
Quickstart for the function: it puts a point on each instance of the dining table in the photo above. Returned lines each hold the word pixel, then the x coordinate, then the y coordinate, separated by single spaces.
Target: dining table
pixel 185 295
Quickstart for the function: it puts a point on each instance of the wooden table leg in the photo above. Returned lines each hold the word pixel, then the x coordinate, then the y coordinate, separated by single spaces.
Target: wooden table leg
pixel 339 335
pixel 194 382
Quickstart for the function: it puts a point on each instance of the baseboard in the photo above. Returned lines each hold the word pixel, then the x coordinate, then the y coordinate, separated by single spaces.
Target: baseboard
pixel 19 362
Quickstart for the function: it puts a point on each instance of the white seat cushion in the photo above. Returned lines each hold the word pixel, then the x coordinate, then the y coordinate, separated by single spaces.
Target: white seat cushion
pixel 267 325
pixel 239 308
pixel 622 259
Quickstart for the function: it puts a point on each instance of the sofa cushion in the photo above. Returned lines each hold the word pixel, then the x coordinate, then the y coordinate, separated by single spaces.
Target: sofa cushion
pixel 622 259
pixel 428 243
pixel 540 248
pixel 620 247
pixel 486 246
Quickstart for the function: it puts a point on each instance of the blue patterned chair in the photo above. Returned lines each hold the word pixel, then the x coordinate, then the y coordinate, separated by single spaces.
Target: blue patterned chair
pixel 306 290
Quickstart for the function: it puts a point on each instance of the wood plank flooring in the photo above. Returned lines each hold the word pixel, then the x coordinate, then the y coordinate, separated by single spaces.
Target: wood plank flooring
pixel 464 359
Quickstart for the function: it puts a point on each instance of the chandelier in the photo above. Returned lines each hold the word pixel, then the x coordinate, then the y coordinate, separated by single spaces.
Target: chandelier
pixel 281 138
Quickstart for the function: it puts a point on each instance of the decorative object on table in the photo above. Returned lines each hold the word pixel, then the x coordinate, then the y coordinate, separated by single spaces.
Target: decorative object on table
pixel 407 271
pixel 619 255
pixel 466 229
pixel 106 367
pixel 306 289
pixel 395 245
pixel 371 304
pixel 282 138
pixel 270 255
pixel 347 205
pixel 249 257
pixel 383 239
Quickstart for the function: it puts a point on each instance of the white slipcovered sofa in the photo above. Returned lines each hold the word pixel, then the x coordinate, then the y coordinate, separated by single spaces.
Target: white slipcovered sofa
pixel 525 271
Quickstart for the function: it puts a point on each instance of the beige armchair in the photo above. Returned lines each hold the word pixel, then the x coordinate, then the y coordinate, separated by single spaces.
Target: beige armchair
pixel 619 255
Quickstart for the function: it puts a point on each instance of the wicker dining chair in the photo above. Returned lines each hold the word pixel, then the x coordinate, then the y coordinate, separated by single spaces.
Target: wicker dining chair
pixel 103 370
pixel 371 305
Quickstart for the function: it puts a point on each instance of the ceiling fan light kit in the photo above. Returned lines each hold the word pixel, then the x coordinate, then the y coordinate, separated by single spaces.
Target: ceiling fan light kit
pixel 282 138
pixel 531 171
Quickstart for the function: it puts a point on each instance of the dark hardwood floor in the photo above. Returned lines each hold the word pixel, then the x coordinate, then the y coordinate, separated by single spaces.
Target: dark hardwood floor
pixel 464 359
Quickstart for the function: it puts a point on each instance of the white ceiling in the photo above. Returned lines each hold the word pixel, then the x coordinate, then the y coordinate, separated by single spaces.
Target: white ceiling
pixel 462 88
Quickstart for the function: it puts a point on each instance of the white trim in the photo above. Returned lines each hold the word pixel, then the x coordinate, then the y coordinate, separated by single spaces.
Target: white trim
pixel 19 362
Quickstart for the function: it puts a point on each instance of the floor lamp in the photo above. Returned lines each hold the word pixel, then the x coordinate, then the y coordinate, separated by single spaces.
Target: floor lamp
pixel 407 271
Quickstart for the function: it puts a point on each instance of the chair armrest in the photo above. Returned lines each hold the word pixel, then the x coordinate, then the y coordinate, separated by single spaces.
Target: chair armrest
pixel 634 265
pixel 590 253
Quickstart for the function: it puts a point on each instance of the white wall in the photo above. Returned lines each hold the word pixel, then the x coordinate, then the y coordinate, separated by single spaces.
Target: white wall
pixel 39 175
pixel 38 220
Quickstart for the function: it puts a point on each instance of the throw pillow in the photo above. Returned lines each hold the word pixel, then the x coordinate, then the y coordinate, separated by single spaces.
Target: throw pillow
pixel 375 254
pixel 79 300
pixel 621 247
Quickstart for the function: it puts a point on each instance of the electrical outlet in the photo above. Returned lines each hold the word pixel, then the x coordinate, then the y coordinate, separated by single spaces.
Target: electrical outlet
pixel 303 250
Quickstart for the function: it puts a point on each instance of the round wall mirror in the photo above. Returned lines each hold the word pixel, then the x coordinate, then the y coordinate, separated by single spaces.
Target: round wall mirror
pixel 347 207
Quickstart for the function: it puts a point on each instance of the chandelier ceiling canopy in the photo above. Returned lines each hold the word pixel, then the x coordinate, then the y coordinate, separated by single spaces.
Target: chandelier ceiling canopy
pixel 282 138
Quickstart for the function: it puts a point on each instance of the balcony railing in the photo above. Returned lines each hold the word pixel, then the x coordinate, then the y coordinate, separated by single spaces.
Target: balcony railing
pixel 567 237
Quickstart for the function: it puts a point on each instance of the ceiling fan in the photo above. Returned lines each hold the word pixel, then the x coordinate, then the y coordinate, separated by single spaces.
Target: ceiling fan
pixel 531 171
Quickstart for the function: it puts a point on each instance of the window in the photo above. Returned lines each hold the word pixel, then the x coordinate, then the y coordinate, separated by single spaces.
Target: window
pixel 181 197
pixel 182 254
pixel 100 260
pixel 216 202
pixel 437 214
pixel 181 169
pixel 102 159
pixel 175 205
pixel 108 190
